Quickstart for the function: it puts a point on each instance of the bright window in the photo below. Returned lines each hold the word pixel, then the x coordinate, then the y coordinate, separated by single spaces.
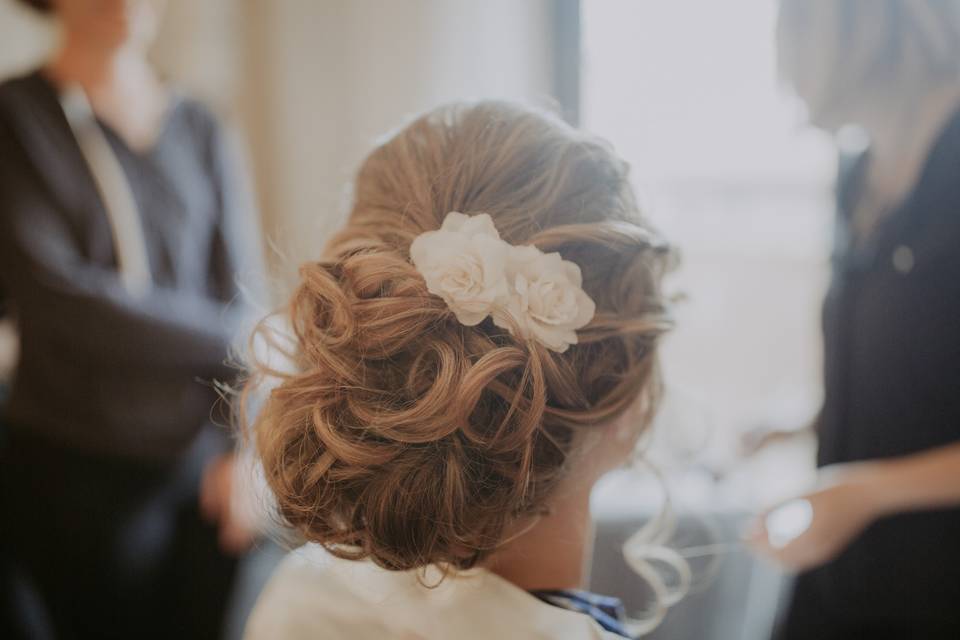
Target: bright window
pixel 687 92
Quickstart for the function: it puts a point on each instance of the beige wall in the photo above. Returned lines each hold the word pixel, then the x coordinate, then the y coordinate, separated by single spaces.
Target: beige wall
pixel 333 76
pixel 313 83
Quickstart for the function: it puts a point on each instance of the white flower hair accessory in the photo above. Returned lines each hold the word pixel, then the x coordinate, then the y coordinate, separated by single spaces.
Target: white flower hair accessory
pixel 532 294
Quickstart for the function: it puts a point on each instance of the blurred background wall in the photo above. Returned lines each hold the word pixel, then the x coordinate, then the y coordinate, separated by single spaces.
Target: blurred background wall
pixel 320 82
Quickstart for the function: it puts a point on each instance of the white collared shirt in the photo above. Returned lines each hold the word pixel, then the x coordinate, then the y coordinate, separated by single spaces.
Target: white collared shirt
pixel 114 189
pixel 313 595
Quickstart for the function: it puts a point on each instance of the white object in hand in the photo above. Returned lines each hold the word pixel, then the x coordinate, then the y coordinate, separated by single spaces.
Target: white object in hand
pixel 788 522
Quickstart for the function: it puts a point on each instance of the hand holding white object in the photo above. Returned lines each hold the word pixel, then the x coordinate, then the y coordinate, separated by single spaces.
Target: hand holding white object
pixel 813 529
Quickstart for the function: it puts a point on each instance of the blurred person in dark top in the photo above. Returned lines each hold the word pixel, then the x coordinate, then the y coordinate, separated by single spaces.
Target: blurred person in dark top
pixel 880 556
pixel 125 231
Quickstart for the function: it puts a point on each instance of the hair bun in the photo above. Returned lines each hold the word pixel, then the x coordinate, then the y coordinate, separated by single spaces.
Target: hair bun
pixel 387 431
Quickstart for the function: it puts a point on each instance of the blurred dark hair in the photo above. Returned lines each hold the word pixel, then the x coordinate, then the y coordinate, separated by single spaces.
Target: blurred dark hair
pixel 44 6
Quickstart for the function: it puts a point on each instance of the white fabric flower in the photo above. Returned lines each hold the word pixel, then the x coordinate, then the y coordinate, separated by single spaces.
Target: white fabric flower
pixel 531 294
pixel 463 263
pixel 546 301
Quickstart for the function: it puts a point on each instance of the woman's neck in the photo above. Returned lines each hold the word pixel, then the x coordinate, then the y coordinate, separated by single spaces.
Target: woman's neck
pixel 553 552
pixel 120 84
pixel 901 137
pixel 95 69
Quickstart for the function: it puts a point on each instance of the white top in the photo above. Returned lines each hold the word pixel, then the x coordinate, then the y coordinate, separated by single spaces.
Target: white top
pixel 313 595
pixel 115 192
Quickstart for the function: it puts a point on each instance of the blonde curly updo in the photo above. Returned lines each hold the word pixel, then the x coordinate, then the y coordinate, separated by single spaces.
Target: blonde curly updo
pixel 405 436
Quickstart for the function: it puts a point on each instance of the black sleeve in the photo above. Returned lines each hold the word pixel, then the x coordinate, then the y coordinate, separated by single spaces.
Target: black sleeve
pixel 57 291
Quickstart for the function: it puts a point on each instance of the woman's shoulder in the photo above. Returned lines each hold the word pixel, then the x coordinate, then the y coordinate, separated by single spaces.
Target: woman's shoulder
pixel 207 128
pixel 18 84
pixel 313 594
pixel 291 604
pixel 194 115
pixel 21 92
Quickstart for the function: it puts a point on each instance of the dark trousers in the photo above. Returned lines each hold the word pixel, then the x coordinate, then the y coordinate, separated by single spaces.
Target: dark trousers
pixel 816 615
pixel 99 547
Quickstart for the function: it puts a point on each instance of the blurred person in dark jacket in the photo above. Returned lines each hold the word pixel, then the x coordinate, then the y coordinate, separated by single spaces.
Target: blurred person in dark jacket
pixel 879 545
pixel 125 230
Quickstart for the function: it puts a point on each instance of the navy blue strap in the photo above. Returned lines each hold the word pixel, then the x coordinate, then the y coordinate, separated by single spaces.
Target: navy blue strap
pixel 606 610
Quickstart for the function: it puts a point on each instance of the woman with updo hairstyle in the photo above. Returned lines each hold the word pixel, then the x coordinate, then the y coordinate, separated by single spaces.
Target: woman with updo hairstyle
pixel 475 348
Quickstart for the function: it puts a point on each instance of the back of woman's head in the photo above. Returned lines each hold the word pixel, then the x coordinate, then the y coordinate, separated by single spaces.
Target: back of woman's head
pixel 404 435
